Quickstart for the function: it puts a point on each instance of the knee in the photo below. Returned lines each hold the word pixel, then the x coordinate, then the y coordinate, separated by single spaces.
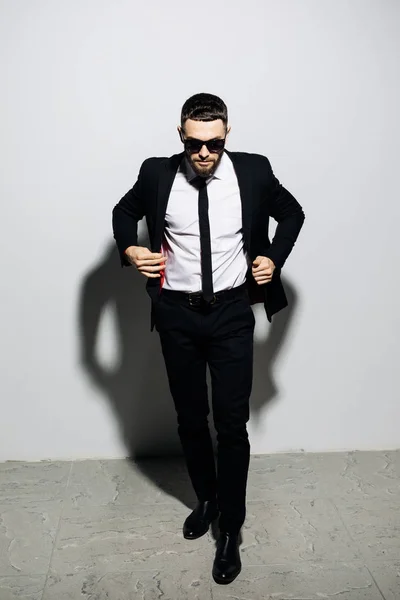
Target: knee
pixel 232 423
pixel 232 433
pixel 193 426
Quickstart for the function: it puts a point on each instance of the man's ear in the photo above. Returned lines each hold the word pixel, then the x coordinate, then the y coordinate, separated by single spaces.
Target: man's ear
pixel 228 129
pixel 180 132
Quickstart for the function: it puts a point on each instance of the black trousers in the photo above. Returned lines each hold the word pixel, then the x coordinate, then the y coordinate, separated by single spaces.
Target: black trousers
pixel 220 336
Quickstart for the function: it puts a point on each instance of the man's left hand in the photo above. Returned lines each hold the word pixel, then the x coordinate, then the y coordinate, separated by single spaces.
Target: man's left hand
pixel 263 268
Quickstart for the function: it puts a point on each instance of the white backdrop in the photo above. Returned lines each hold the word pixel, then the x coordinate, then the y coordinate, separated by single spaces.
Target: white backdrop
pixel 92 87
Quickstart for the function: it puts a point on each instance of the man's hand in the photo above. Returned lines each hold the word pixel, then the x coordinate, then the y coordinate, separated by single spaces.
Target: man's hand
pixel 263 268
pixel 148 263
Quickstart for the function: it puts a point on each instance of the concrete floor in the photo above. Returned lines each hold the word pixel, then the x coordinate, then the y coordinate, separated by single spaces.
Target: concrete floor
pixel 318 526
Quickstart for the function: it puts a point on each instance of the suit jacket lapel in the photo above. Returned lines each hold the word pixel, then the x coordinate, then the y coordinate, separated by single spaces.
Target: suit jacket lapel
pixel 246 187
pixel 165 181
pixel 246 192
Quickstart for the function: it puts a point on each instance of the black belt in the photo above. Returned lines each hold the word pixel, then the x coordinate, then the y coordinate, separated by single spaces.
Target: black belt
pixel 196 299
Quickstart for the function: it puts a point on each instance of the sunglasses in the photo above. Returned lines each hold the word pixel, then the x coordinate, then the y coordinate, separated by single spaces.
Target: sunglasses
pixel 194 146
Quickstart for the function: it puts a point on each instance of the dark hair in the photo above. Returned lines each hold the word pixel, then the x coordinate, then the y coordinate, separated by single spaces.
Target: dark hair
pixel 204 107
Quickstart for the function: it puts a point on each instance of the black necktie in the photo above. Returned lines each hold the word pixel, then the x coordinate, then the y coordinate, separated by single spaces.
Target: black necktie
pixel 205 240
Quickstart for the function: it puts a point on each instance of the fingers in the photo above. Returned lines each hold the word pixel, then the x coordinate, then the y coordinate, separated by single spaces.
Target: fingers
pixel 145 262
pixel 138 255
pixel 147 273
pixel 262 267
pixel 151 275
pixel 262 272
pixel 151 269
pixel 148 263
pixel 152 256
pixel 262 280
pixel 264 276
pixel 145 253
pixel 258 261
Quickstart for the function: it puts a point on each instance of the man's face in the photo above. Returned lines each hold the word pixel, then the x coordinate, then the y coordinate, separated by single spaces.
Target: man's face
pixel 204 162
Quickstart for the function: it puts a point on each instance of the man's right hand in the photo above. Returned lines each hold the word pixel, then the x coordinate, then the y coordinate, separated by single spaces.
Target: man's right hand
pixel 148 263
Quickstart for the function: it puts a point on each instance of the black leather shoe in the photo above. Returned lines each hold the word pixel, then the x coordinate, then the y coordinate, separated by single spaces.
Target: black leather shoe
pixel 198 522
pixel 227 563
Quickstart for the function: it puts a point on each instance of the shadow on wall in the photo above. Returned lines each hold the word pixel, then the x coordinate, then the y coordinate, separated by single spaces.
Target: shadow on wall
pixel 137 387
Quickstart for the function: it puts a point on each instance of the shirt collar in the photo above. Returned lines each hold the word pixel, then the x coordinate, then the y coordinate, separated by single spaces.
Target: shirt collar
pixel 224 168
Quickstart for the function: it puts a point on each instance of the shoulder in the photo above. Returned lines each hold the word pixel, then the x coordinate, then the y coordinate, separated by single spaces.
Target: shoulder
pixel 156 163
pixel 153 163
pixel 251 158
pixel 256 164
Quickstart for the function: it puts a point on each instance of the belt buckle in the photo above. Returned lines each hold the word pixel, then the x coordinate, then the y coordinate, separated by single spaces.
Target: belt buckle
pixel 214 299
pixel 194 299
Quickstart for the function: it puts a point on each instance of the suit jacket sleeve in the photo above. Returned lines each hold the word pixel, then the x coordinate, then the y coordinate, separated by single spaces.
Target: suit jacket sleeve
pixel 288 213
pixel 126 215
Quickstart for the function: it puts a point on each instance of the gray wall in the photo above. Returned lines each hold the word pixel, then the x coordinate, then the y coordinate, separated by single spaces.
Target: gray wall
pixel 92 88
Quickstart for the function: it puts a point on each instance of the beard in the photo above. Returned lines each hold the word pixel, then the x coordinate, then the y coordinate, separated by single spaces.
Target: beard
pixel 206 171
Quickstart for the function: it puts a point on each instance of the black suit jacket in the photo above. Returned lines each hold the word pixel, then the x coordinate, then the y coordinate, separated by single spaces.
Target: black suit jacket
pixel 262 197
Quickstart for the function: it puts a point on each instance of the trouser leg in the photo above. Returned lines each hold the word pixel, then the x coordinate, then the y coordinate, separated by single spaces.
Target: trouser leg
pixel 185 363
pixel 230 357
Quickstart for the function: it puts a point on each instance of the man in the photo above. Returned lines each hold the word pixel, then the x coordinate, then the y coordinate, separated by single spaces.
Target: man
pixel 207 211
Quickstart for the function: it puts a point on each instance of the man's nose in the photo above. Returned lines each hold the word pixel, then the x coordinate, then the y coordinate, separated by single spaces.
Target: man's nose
pixel 203 152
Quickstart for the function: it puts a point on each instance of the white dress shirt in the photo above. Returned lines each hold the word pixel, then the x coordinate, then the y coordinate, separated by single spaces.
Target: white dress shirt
pixel 181 243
